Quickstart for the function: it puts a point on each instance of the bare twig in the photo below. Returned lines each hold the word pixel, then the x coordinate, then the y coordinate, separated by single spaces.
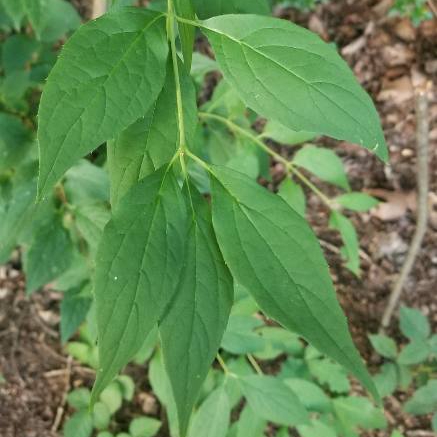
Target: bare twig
pixel 433 7
pixel 61 408
pixel 99 8
pixel 422 207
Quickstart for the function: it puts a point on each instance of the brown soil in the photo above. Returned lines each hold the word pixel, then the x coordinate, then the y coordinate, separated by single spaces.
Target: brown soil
pixel 389 57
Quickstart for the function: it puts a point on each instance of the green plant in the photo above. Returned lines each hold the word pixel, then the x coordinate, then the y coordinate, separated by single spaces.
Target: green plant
pixel 415 364
pixel 416 10
pixel 82 422
pixel 166 257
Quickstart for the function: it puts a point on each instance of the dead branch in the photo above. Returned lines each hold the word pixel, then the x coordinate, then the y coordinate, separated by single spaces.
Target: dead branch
pixel 422 132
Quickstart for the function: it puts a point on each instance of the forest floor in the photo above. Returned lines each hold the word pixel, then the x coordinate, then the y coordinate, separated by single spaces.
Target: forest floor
pixel 389 56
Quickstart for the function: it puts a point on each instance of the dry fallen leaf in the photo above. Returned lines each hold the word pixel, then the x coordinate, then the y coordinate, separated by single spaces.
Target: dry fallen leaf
pixel 395 205
pixel 397 91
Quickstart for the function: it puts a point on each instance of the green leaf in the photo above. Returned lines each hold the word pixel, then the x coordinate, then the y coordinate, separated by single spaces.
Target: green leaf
pixel 134 282
pixel 330 374
pixel 213 417
pixel 350 239
pixel 424 400
pixel 80 424
pixel 184 9
pixel 282 134
pixel 74 309
pixel 414 353
pixel 89 99
pixel 201 66
pixel 18 52
pixel 323 163
pixel 90 222
pixel 35 12
pixel 161 388
pixel 212 8
pixel 193 327
pixel 414 325
pixel 240 337
pixel 273 400
pixel 294 195
pixel 144 427
pixel 269 249
pixel 360 202
pixel 101 415
pixel 86 184
pixel 49 255
pixel 312 397
pixel 112 397
pixel 250 424
pixel 385 346
pixel 15 10
pixel 152 141
pixel 15 140
pixel 359 412
pixel 386 380
pixel 396 434
pixel 79 398
pixel 105 434
pixel 60 18
pixel 433 423
pixel 313 88
pixel 316 429
pixel 127 387
pixel 278 341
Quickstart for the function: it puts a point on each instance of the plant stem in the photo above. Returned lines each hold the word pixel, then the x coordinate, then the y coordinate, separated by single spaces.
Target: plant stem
pixel 422 117
pixel 172 38
pixel 289 166
pixel 254 364
pixel 223 365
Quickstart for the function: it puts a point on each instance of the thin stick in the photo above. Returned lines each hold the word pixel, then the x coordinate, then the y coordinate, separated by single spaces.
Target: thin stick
pixel 99 8
pixel 61 409
pixel 433 7
pixel 254 364
pixel 422 132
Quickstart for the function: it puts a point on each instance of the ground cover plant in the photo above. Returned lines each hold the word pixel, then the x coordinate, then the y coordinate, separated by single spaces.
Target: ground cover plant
pixel 166 257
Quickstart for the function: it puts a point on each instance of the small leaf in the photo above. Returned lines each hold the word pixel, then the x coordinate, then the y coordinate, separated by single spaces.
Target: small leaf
pixel 359 412
pixel 79 398
pixel 386 380
pixel 312 397
pixel 86 184
pixel 396 434
pixel 193 326
pixel 316 429
pixel 144 427
pixel 74 309
pixel 414 353
pixel 272 400
pixel 213 417
pixel 269 248
pixel 323 163
pixel 294 195
pixel 414 325
pixel 112 397
pixel 360 202
pixel 101 415
pixel 250 424
pixel 434 422
pixel 134 282
pixel 424 400
pixel 385 346
pixel 80 424
pixel 313 88
pixel 127 387
pixel 350 239
pixel 330 374
pixel 240 337
pixel 49 255
pixel 88 99
pixel 282 134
